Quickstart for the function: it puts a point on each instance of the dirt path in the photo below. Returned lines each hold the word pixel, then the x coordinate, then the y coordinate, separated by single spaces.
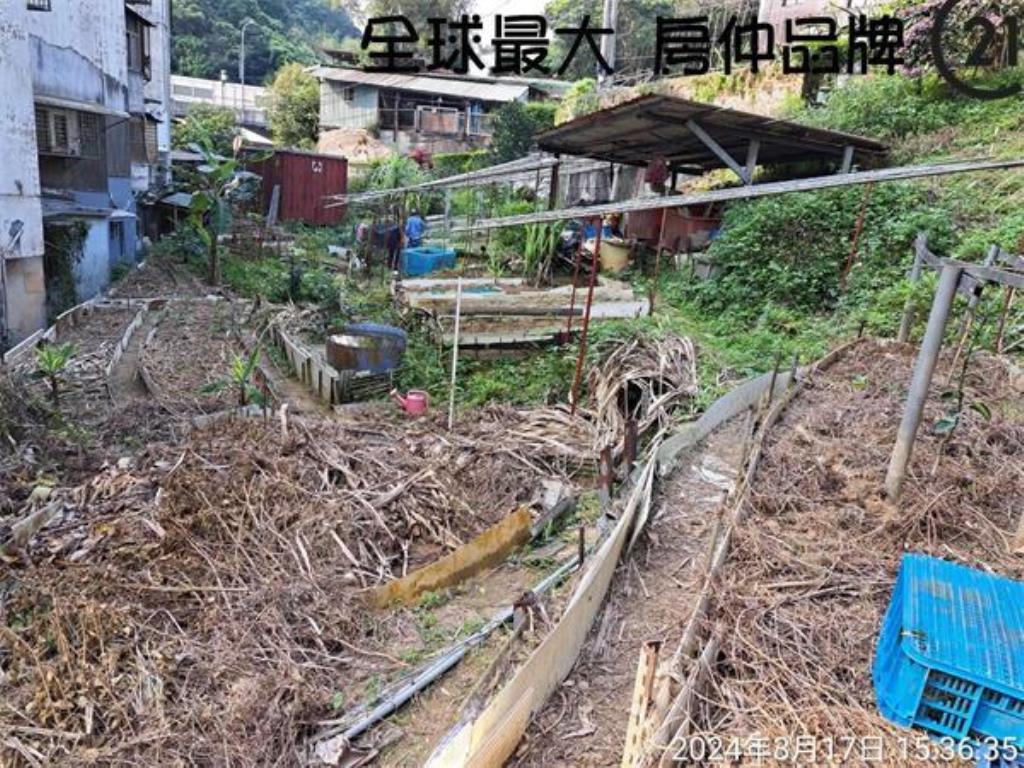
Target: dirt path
pixel 125 383
pixel 158 277
pixel 584 723
pixel 289 389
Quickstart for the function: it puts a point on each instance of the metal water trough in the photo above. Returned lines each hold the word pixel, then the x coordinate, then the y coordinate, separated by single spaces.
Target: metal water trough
pixel 367 347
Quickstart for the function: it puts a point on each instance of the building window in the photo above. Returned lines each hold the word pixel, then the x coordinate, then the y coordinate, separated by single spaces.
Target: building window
pixel 349 94
pixel 143 141
pixel 138 45
pixel 67 133
pixel 39 5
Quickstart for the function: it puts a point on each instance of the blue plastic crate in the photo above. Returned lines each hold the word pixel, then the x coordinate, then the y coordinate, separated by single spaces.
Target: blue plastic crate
pixel 950 657
pixel 426 259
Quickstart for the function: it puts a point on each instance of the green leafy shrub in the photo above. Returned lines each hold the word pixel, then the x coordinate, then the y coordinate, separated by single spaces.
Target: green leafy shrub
pixel 183 244
pixel 515 125
pixel 452 163
pixel 206 125
pixel 790 251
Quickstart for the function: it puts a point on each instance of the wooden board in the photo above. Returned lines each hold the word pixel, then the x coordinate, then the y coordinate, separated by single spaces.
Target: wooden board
pixel 485 550
pixel 491 738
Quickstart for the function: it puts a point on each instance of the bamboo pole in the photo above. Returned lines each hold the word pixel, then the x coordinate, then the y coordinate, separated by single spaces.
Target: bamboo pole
pixel 1007 303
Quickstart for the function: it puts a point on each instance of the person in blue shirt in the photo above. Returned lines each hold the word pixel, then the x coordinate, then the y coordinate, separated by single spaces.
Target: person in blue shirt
pixel 415 227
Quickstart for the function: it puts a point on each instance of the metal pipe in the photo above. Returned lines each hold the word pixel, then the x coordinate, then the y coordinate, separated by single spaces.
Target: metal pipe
pixel 575 277
pixel 586 319
pixel 907 321
pixel 241 66
pixel 455 353
pixel 813 183
pixel 924 367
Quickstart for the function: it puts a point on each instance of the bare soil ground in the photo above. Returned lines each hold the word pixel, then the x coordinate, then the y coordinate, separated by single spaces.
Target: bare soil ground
pixel 584 724
pixel 159 278
pixel 192 350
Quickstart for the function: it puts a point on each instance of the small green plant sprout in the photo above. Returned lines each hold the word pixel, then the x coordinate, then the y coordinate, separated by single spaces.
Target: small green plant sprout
pixel 51 364
pixel 240 378
pixel 945 426
pixel 338 701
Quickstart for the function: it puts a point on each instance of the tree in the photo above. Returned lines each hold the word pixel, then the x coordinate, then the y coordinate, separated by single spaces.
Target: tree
pixel 581 99
pixel 208 126
pixel 206 34
pixel 216 183
pixel 294 109
pixel 957 47
pixel 515 125
pixel 635 33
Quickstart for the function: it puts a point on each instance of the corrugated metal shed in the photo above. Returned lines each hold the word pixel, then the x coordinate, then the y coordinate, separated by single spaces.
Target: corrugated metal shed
pixel 650 126
pixel 463 88
pixel 306 179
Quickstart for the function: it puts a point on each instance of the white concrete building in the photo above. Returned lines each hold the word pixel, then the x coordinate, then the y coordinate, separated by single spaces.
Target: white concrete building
pixel 84 130
pixel 22 292
pixel 248 102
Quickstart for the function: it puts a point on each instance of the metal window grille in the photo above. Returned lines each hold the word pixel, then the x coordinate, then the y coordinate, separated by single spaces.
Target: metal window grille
pixel 39 5
pixel 60 134
pixel 42 129
pixel 89 134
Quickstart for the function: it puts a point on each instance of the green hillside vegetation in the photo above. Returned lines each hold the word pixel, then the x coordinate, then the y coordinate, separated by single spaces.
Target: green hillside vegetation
pixel 207 35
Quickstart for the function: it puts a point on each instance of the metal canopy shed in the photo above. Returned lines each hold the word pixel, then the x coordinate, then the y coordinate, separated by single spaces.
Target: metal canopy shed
pixel 695 137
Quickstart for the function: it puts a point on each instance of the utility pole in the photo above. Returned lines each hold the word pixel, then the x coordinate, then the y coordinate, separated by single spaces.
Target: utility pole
pixel 609 20
pixel 241 65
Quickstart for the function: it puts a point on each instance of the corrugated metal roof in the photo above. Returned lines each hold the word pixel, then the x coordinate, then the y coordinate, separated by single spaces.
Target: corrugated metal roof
pixel 637 130
pixel 467 88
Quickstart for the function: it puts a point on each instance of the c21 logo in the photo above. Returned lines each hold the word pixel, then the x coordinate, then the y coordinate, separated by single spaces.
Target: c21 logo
pixel 981 56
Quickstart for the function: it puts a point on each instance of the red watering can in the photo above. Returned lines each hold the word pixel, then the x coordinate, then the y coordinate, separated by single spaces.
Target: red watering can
pixel 414 403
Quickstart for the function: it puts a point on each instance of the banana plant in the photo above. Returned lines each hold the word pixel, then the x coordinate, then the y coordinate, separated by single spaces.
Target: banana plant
pixel 239 378
pixel 51 363
pixel 217 182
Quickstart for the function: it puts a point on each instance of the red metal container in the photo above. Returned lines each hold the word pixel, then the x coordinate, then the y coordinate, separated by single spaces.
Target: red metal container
pixel 306 179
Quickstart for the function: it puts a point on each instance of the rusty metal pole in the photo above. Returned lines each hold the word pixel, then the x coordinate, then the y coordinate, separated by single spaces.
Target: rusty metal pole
pixel 657 261
pixel 582 544
pixel 924 367
pixel 604 473
pixel 575 276
pixel 629 445
pixel 586 321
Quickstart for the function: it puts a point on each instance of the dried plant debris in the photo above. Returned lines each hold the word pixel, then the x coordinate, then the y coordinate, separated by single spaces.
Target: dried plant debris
pixel 205 605
pixel 643 378
pixel 193 349
pixel 811 569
